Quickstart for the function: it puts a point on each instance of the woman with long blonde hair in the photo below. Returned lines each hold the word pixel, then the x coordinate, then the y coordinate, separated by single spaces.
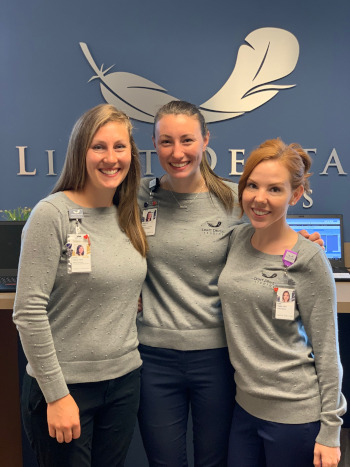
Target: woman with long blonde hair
pixel 76 313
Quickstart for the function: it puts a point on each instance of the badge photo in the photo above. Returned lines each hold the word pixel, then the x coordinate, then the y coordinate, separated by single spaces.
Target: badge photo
pixel 149 220
pixel 284 302
pixel 79 253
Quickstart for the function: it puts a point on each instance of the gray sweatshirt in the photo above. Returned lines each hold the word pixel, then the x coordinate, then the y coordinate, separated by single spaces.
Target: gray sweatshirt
pixel 80 327
pixel 181 305
pixel 287 371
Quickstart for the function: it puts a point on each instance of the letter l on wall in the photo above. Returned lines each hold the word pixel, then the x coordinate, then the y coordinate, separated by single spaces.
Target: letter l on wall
pixel 22 161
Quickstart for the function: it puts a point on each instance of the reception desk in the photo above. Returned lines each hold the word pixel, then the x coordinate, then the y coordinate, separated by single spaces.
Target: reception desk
pixel 343 297
pixel 10 428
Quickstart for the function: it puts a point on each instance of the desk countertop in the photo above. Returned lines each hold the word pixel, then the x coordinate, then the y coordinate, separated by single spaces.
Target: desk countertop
pixel 6 301
pixel 343 297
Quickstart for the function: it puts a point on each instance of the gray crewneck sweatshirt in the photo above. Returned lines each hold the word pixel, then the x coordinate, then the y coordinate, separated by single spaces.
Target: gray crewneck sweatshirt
pixel 287 371
pixel 80 327
pixel 181 305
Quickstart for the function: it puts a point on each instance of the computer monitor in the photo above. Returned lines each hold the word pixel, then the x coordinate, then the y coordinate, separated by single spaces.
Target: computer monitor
pixel 330 227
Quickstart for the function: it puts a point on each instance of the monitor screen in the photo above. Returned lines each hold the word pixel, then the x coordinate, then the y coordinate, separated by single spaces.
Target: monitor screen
pixel 330 227
pixel 10 243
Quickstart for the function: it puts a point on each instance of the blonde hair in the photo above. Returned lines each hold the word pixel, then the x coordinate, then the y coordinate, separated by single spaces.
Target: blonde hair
pixel 214 183
pixel 292 156
pixel 74 173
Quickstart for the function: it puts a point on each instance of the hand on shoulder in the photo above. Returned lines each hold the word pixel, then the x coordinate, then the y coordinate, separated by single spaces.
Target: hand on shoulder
pixel 315 237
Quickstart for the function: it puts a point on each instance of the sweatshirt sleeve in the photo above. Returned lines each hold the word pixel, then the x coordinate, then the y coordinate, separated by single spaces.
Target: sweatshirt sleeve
pixel 41 250
pixel 317 305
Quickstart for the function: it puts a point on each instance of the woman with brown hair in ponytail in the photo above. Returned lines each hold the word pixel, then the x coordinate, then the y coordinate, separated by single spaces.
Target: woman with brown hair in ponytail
pixel 183 345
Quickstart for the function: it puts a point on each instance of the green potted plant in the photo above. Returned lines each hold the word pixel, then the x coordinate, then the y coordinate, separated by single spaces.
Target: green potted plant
pixel 18 214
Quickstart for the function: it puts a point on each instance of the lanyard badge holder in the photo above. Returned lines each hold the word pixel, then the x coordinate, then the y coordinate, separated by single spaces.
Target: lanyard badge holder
pixel 150 211
pixel 78 246
pixel 284 302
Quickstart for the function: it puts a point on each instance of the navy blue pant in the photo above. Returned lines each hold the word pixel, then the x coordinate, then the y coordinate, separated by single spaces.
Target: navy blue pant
pixel 173 381
pixel 108 413
pixel 259 443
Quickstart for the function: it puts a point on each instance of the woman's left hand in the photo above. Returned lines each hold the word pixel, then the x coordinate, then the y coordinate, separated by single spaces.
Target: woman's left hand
pixel 325 456
pixel 314 237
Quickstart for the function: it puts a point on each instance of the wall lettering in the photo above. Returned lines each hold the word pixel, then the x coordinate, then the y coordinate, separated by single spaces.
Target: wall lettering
pixel 308 199
pixel 22 161
pixel 148 157
pixel 235 161
pixel 333 157
pixel 50 161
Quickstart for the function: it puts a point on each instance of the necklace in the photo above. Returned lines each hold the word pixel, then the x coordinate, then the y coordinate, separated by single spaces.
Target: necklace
pixel 185 206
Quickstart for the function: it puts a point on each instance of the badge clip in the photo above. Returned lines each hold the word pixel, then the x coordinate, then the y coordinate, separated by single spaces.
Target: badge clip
pixel 153 186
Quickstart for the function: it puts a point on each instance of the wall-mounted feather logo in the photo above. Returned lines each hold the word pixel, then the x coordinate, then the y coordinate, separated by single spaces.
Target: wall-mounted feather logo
pixel 268 55
pixel 138 97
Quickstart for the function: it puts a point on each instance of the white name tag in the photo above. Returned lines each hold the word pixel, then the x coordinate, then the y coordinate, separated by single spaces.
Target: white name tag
pixel 284 302
pixel 79 253
pixel 149 220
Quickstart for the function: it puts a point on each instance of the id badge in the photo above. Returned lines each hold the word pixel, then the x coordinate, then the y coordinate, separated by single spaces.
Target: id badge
pixel 284 302
pixel 79 253
pixel 149 220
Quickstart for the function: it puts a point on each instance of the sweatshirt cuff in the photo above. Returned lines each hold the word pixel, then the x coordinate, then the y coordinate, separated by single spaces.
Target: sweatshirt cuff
pixel 329 436
pixel 54 390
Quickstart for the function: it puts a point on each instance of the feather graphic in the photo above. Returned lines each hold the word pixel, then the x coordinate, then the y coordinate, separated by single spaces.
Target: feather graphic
pixel 268 55
pixel 138 97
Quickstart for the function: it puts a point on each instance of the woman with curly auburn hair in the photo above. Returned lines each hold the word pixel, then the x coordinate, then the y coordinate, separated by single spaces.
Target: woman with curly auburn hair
pixel 285 352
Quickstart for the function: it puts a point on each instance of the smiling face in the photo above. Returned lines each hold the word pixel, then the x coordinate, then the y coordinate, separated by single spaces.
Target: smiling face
pixel 180 146
pixel 285 296
pixel 108 159
pixel 267 195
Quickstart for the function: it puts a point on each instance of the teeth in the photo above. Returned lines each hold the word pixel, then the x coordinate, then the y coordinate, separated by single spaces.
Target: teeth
pixel 109 172
pixel 180 164
pixel 259 213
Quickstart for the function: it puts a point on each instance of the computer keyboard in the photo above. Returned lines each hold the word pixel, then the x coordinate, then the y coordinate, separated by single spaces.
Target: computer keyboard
pixel 8 280
pixel 8 283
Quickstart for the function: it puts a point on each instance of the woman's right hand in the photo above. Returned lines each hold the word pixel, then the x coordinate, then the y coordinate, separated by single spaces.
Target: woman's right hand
pixel 325 456
pixel 63 419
